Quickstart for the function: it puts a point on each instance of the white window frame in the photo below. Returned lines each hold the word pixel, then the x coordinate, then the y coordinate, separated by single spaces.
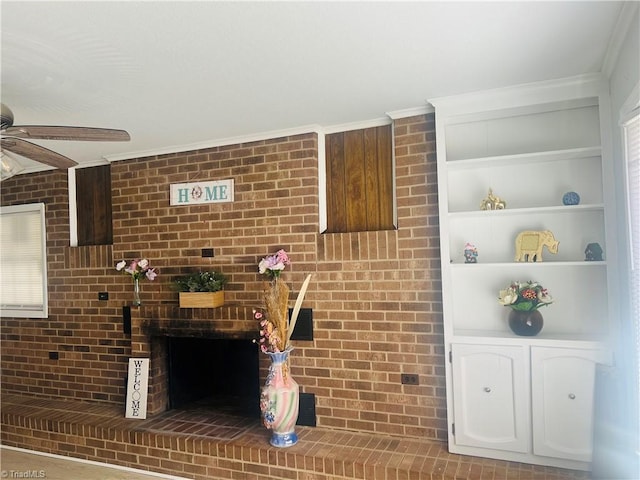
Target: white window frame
pixel 15 309
pixel 630 115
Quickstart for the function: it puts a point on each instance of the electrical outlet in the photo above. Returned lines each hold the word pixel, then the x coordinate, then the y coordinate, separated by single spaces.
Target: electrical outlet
pixel 409 379
pixel 103 295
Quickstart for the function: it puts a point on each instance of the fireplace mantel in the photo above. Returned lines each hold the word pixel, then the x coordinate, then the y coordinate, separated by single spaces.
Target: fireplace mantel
pixel 228 321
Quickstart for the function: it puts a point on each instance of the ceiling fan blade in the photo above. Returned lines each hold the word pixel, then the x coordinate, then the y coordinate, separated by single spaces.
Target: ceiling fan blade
pixel 87 134
pixel 36 152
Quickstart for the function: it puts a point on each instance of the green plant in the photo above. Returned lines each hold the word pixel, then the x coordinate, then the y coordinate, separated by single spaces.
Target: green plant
pixel 207 281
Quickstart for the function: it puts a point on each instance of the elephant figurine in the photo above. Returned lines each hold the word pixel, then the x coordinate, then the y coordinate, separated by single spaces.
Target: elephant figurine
pixel 529 245
pixel 492 202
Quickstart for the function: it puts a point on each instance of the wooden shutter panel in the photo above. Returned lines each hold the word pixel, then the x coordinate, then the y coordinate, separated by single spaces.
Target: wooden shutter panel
pixel 93 200
pixel 359 180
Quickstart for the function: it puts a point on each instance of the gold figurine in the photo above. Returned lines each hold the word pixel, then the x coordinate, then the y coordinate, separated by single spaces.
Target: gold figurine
pixel 491 202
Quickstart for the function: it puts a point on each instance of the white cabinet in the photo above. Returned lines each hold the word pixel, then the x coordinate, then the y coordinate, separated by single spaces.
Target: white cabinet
pixel 491 406
pixel 530 144
pixel 535 402
pixel 562 401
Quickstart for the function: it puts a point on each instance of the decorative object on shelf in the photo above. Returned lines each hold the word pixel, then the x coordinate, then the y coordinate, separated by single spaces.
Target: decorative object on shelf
pixel 593 253
pixel 201 289
pixel 492 202
pixel 138 268
pixel 201 299
pixel 529 244
pixel 525 324
pixel 279 398
pixel 571 198
pixel 524 299
pixel 470 253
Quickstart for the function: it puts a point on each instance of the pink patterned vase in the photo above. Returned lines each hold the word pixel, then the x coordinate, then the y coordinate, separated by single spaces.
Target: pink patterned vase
pixel 279 401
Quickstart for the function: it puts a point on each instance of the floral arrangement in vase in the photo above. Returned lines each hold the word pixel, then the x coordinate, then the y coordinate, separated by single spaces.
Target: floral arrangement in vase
pixel 275 326
pixel 138 269
pixel 525 296
pixel 273 265
pixel 279 397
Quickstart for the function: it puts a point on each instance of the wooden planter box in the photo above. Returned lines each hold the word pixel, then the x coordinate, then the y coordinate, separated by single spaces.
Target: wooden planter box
pixel 201 299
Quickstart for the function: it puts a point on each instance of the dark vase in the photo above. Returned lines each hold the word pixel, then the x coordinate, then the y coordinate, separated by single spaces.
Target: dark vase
pixel 525 324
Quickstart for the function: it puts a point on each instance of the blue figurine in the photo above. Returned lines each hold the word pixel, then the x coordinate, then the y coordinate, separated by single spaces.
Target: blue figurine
pixel 571 198
pixel 593 253
pixel 470 253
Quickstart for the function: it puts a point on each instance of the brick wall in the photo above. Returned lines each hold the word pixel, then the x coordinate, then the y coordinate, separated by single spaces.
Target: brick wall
pixel 376 296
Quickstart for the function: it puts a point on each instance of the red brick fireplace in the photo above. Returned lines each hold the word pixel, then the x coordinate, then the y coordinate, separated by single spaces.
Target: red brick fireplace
pixel 152 327
pixel 376 296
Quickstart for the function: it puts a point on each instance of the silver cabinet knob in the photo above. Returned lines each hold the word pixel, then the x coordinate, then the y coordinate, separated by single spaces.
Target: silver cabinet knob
pixel 572 396
pixel 487 389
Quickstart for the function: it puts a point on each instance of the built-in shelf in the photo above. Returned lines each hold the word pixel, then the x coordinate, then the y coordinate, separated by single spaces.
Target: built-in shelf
pixel 524 158
pixel 554 209
pixel 527 265
pixel 506 337
pixel 528 145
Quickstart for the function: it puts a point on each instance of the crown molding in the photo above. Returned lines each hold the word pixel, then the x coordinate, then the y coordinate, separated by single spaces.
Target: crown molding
pixel 214 143
pixel 623 25
pixel 411 112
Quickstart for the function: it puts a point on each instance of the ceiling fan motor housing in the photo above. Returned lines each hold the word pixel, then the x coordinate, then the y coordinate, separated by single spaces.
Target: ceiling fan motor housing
pixel 6 117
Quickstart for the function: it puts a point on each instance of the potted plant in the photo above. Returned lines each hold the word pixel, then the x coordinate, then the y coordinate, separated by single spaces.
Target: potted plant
pixel 201 289
pixel 524 299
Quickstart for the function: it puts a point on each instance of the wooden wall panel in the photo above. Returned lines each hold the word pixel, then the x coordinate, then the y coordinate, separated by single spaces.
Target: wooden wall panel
pixel 385 177
pixel 93 201
pixel 359 180
pixel 336 195
pixel 355 181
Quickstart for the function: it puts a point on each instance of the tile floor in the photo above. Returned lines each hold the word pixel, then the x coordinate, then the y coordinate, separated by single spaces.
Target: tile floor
pixel 19 463
pixel 195 443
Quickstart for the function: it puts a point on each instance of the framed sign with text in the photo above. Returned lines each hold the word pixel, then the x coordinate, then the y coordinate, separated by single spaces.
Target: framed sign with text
pixel 217 191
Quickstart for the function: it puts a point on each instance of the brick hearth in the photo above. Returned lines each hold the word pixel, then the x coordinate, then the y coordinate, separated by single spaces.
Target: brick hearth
pixel 193 444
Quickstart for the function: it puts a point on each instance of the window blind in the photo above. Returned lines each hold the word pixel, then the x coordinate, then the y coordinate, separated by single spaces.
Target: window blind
pixel 632 154
pixel 23 261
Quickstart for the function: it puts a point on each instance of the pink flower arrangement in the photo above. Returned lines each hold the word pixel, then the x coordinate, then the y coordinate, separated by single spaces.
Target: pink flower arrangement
pixel 137 268
pixel 275 325
pixel 269 335
pixel 273 265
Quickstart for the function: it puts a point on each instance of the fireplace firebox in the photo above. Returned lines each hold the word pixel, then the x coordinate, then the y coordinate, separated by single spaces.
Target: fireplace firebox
pixel 214 373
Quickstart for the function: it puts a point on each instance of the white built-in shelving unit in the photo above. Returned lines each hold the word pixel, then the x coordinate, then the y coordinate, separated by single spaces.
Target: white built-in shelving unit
pixel 526 399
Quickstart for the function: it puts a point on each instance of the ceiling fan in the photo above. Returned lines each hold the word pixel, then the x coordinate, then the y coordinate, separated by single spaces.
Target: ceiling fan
pixel 12 139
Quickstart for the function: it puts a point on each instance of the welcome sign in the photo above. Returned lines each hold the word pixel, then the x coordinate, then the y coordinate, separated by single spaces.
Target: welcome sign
pixel 137 387
pixel 217 191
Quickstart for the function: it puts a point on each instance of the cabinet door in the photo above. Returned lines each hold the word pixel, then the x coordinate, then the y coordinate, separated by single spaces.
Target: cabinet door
pixel 490 395
pixel 562 384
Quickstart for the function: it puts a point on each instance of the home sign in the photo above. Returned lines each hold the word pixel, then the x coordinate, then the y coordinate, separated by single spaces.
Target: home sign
pixel 217 191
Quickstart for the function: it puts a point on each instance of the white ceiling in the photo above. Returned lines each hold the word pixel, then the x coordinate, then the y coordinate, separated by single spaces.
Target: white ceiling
pixel 176 74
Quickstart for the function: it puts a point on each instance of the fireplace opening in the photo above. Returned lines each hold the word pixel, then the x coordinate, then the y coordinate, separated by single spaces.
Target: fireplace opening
pixel 217 374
